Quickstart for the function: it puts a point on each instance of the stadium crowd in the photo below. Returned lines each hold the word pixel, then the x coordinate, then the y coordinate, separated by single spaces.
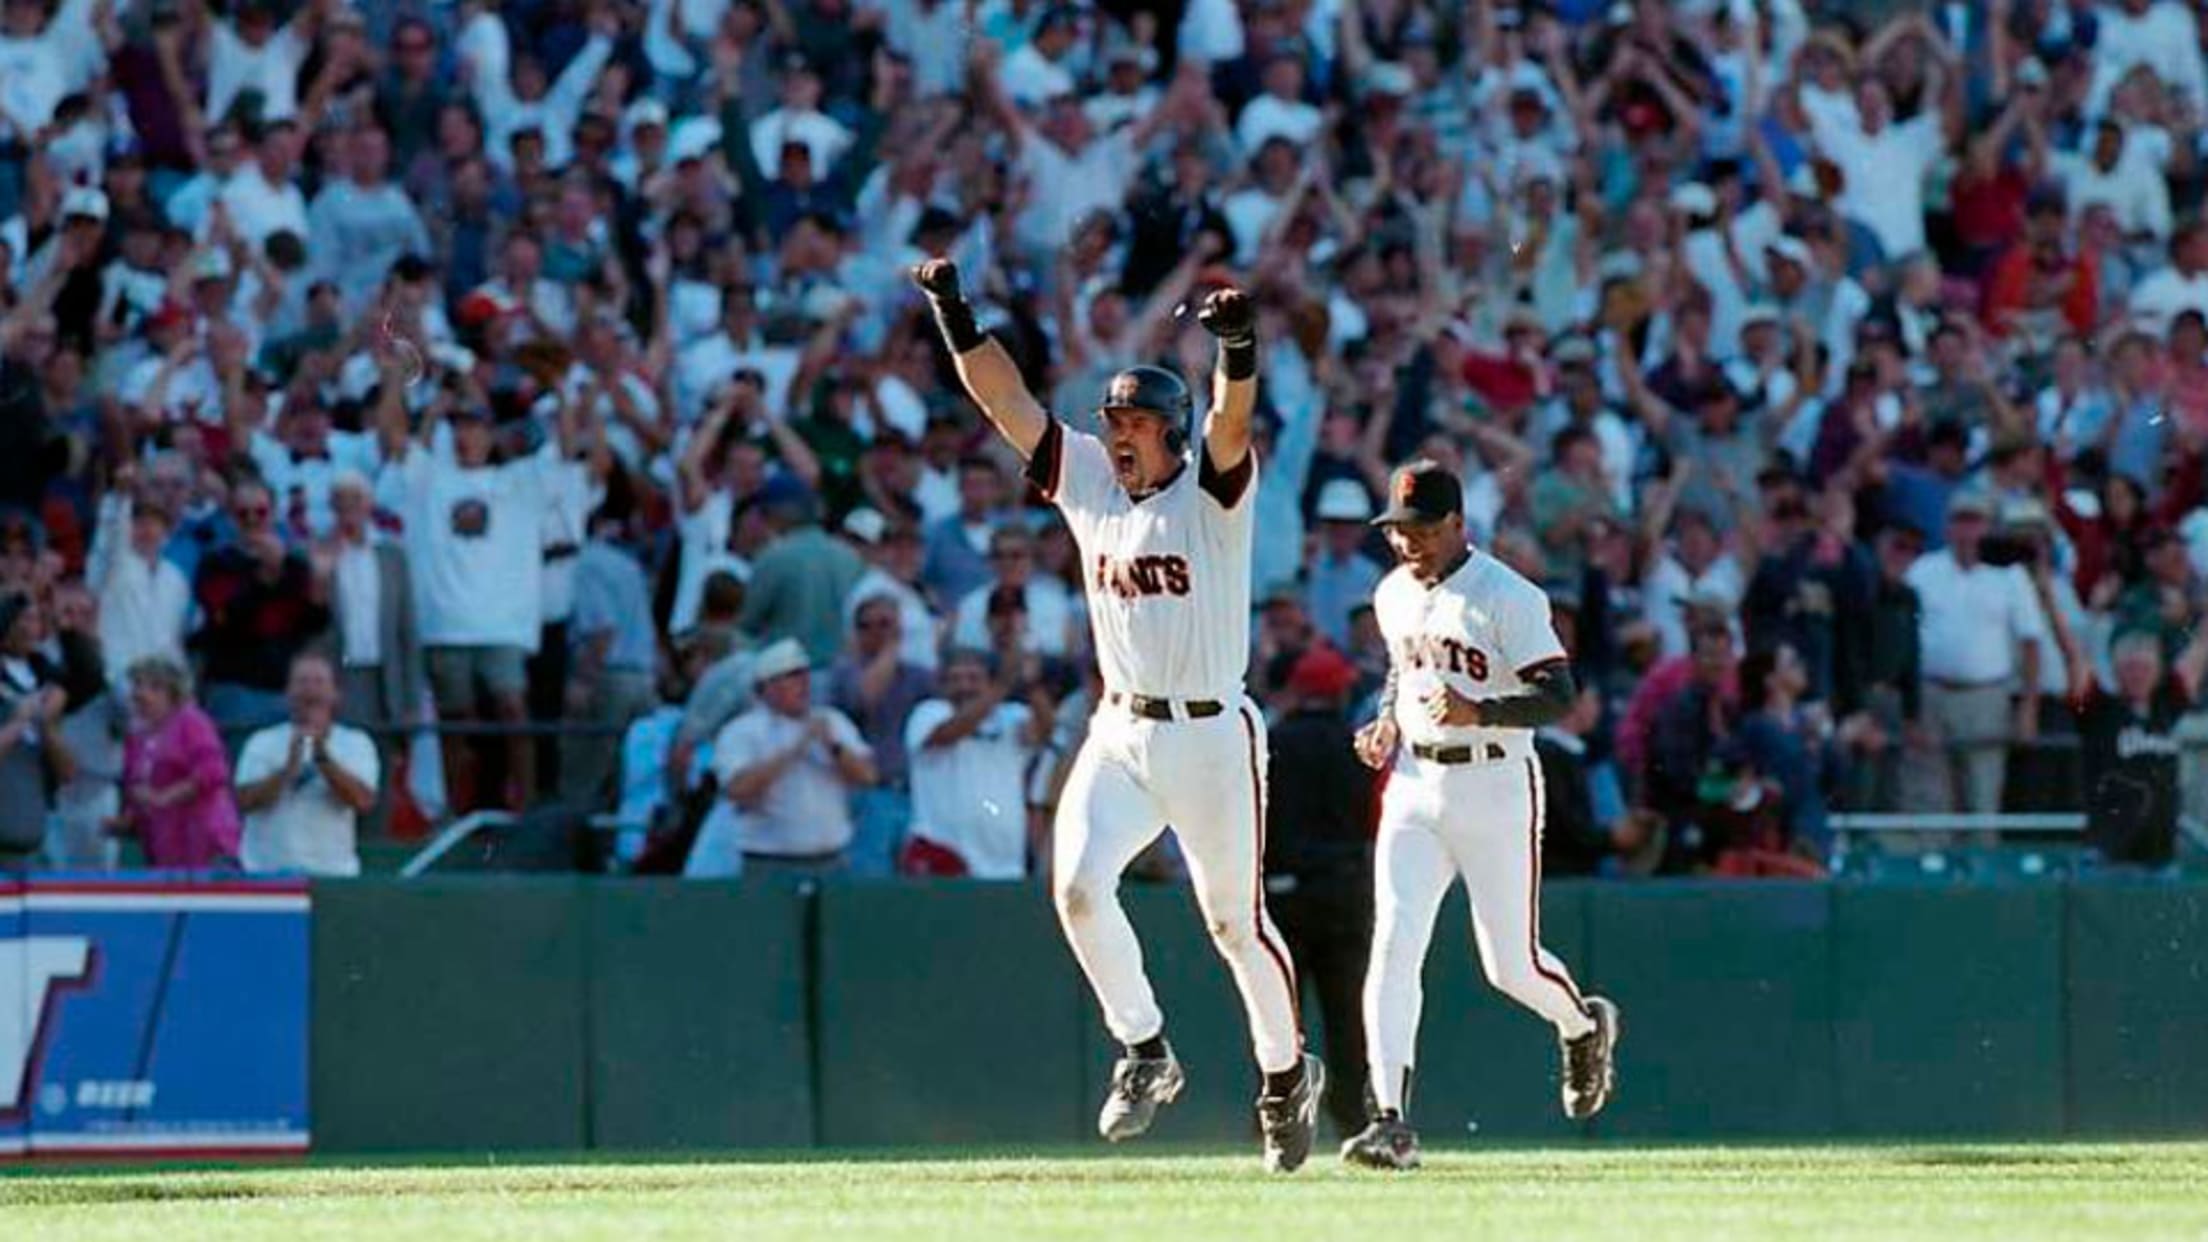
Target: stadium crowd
pixel 548 374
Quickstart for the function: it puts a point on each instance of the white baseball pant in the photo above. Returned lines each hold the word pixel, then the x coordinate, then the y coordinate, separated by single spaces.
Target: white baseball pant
pixel 1483 822
pixel 1207 779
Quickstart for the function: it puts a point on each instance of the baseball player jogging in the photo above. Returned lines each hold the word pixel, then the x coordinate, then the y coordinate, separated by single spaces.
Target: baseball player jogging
pixel 1165 543
pixel 1474 668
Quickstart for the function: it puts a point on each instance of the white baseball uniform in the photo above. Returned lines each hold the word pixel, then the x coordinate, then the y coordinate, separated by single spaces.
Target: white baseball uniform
pixel 1168 580
pixel 1474 810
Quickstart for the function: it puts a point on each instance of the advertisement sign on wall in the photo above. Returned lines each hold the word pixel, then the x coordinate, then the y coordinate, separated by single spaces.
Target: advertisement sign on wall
pixel 152 1016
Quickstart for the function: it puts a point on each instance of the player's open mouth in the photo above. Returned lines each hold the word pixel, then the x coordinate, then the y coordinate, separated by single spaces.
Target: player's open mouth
pixel 1123 460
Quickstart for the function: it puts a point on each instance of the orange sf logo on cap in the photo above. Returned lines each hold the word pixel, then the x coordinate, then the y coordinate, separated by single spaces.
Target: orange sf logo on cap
pixel 1405 484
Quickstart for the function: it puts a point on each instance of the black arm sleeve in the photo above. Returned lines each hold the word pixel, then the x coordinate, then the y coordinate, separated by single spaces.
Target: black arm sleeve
pixel 954 317
pixel 1045 464
pixel 1546 703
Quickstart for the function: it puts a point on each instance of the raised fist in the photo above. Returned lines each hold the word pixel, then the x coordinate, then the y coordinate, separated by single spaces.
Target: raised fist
pixel 938 278
pixel 1228 315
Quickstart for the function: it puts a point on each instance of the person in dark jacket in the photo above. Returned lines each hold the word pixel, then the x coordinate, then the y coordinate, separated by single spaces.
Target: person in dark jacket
pixel 1877 678
pixel 1791 747
pixel 34 756
pixel 31 452
pixel 1319 817
pixel 1683 742
pixel 262 608
pixel 1576 838
pixel 1807 585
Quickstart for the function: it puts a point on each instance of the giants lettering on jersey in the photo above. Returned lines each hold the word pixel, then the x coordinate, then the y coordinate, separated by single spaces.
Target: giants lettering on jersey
pixel 1138 576
pixel 1445 655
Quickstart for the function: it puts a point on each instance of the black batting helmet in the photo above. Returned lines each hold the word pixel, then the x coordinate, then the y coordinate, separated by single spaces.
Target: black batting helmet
pixel 1153 390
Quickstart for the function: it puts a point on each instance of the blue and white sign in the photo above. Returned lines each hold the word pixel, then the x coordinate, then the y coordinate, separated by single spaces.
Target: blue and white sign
pixel 152 1016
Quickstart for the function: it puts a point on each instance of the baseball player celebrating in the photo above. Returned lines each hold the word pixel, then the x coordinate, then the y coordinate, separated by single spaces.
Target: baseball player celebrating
pixel 1474 668
pixel 1165 543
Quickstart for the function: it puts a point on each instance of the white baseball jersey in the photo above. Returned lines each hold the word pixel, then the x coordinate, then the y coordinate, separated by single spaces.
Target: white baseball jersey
pixel 1475 631
pixel 1168 576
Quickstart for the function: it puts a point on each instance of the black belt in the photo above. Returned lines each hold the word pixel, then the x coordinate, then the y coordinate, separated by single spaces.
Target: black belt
pixel 1487 752
pixel 1162 709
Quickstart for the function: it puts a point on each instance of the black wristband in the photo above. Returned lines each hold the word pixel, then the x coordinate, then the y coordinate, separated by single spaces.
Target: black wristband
pixel 956 319
pixel 1239 358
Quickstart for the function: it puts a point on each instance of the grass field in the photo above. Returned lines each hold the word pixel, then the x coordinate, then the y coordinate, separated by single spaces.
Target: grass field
pixel 2069 1192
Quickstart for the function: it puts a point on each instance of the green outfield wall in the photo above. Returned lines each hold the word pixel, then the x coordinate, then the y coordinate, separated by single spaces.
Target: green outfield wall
pixel 519 1014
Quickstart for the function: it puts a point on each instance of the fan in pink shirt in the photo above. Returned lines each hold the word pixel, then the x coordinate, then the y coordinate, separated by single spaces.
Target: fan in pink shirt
pixel 176 778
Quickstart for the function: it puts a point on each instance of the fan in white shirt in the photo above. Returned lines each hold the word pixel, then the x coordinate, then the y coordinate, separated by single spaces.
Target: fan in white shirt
pixel 1980 622
pixel 261 198
pixel 643 154
pixel 1883 164
pixel 42 61
pixel 174 381
pixel 893 566
pixel 572 492
pixel 786 772
pixel 1981 634
pixel 1281 111
pixel 675 29
pixel 621 399
pixel 1211 32
pixel 1251 210
pixel 970 750
pixel 1069 171
pixel 347 564
pixel 1727 256
pixel 723 460
pixel 1524 118
pixel 302 462
pixel 930 34
pixel 134 285
pixel 703 370
pixel 145 600
pixel 2160 34
pixel 304 784
pixel 519 282
pixel 75 146
pixel 2125 171
pixel 259 56
pixel 2182 286
pixel 799 120
pixel 30 83
pixel 474 533
pixel 1036 71
pixel 188 207
pixel 1128 95
pixel 512 95
pixel 474 536
pixel 1696 567
pixel 1052 617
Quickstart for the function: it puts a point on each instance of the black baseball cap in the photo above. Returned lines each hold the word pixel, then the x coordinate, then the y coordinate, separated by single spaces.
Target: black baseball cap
pixel 1423 491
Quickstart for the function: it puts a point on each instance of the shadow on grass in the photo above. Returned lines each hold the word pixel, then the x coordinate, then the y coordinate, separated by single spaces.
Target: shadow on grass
pixel 530 1175
pixel 1988 1158
pixel 86 1192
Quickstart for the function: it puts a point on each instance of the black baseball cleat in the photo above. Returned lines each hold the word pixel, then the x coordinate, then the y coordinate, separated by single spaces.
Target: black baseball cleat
pixel 1291 1121
pixel 1388 1143
pixel 1590 1062
pixel 1139 1086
